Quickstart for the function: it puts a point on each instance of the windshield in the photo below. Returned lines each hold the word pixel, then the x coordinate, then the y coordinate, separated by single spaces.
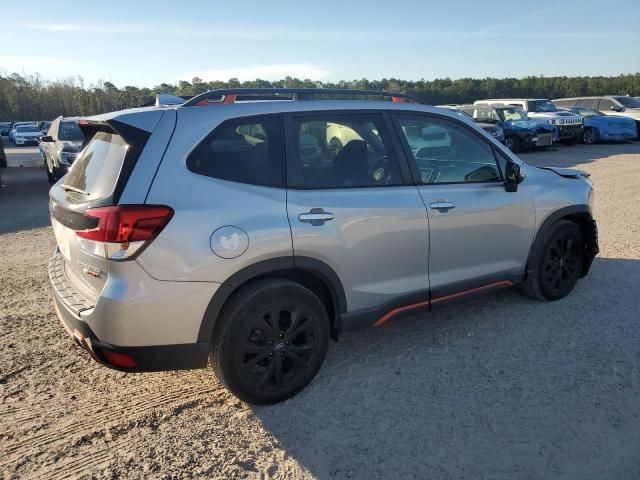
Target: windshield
pixel 541 106
pixel 27 129
pixel 512 114
pixel 481 114
pixel 70 132
pixel 629 102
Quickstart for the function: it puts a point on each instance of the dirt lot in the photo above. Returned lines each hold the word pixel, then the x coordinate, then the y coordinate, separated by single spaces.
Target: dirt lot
pixel 503 387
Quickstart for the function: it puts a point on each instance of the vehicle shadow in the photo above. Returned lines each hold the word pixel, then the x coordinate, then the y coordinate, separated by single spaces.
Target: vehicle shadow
pixel 568 157
pixel 500 386
pixel 23 199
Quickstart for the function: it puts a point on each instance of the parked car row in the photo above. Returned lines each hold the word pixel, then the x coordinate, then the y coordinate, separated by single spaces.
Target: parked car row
pixel 529 123
pixel 9 129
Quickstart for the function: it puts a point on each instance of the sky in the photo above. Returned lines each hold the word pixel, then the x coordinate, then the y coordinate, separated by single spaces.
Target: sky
pixel 146 43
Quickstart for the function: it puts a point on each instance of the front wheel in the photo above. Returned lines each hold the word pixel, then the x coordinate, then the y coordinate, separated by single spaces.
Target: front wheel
pixel 555 265
pixel 589 136
pixel 271 341
pixel 512 144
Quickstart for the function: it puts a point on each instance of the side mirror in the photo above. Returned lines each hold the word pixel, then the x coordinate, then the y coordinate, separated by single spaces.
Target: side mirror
pixel 512 177
pixel 46 138
pixel 616 108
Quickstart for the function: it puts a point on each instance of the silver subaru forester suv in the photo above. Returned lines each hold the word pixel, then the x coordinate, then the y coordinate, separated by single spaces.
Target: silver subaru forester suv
pixel 246 232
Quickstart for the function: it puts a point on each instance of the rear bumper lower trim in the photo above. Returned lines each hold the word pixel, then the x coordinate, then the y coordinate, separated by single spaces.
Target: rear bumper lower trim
pixel 148 358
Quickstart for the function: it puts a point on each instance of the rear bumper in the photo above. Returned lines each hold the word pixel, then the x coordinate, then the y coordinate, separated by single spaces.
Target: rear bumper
pixel 132 359
pixel 83 321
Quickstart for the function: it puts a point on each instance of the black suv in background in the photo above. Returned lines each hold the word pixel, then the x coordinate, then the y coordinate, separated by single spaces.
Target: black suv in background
pixel 60 146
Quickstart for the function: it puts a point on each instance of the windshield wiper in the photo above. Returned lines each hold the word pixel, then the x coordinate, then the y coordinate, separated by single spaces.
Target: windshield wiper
pixel 69 188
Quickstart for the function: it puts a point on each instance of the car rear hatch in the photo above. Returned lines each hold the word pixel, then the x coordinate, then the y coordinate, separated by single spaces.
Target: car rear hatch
pixel 89 224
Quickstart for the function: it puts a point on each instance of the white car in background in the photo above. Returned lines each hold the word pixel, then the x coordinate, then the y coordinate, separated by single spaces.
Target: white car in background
pixel 26 135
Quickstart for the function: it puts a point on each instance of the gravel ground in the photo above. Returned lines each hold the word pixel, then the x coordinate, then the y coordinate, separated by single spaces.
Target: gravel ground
pixel 501 387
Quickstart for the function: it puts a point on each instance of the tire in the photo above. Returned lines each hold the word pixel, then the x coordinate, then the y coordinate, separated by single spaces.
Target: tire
pixel 589 136
pixel 51 178
pixel 555 264
pixel 262 363
pixel 512 144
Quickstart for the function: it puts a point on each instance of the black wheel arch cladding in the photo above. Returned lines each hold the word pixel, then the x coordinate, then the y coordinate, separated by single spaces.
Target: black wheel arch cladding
pixel 283 267
pixel 581 215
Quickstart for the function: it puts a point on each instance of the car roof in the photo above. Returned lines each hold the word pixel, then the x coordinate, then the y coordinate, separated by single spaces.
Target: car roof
pixel 513 100
pixel 589 96
pixel 134 116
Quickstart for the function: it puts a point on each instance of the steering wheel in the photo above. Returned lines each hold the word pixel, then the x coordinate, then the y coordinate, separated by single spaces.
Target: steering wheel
pixel 380 172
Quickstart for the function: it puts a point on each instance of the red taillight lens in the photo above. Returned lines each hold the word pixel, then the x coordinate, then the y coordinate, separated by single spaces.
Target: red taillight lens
pixel 126 223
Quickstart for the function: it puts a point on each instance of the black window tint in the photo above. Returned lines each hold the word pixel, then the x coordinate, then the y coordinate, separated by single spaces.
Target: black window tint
pixel 445 152
pixel 247 150
pixel 341 151
pixel 605 105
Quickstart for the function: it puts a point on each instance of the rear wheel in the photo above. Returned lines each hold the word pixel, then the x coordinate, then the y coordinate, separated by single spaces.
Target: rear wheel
pixel 271 341
pixel 555 263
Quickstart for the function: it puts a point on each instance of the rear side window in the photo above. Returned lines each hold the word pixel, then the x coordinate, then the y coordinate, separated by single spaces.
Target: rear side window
pixel 246 150
pixel 605 105
pixel 587 103
pixel 95 172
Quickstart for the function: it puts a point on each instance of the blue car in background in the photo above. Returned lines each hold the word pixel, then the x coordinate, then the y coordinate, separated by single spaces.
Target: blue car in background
pixel 600 127
pixel 520 133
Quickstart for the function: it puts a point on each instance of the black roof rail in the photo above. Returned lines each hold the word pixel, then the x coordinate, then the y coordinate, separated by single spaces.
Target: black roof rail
pixel 231 95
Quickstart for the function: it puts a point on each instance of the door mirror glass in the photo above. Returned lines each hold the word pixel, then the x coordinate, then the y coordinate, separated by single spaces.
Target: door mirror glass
pixel 512 176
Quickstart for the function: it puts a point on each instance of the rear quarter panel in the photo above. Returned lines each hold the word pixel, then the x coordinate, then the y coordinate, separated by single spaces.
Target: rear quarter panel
pixel 203 204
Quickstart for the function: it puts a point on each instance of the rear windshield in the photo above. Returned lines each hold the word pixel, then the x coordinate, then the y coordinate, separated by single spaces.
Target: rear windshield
pixel 96 169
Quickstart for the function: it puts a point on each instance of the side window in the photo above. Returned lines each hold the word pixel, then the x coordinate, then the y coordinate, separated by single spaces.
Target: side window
pixel 587 103
pixel 445 152
pixel 247 150
pixel 605 105
pixel 340 151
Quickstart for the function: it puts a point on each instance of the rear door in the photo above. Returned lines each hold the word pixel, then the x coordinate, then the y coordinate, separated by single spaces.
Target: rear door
pixel 480 234
pixel 351 205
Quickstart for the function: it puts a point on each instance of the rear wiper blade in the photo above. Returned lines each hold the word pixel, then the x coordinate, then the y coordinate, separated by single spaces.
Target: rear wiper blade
pixel 69 188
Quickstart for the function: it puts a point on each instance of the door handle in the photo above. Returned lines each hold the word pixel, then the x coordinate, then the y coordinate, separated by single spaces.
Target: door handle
pixel 442 206
pixel 316 217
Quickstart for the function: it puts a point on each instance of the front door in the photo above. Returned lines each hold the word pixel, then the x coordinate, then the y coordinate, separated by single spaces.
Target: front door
pixel 352 207
pixel 480 234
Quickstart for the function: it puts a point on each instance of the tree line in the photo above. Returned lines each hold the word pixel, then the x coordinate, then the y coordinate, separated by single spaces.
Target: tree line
pixel 31 97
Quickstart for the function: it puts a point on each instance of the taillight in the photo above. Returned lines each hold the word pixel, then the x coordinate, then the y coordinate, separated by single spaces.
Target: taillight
pixel 123 229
